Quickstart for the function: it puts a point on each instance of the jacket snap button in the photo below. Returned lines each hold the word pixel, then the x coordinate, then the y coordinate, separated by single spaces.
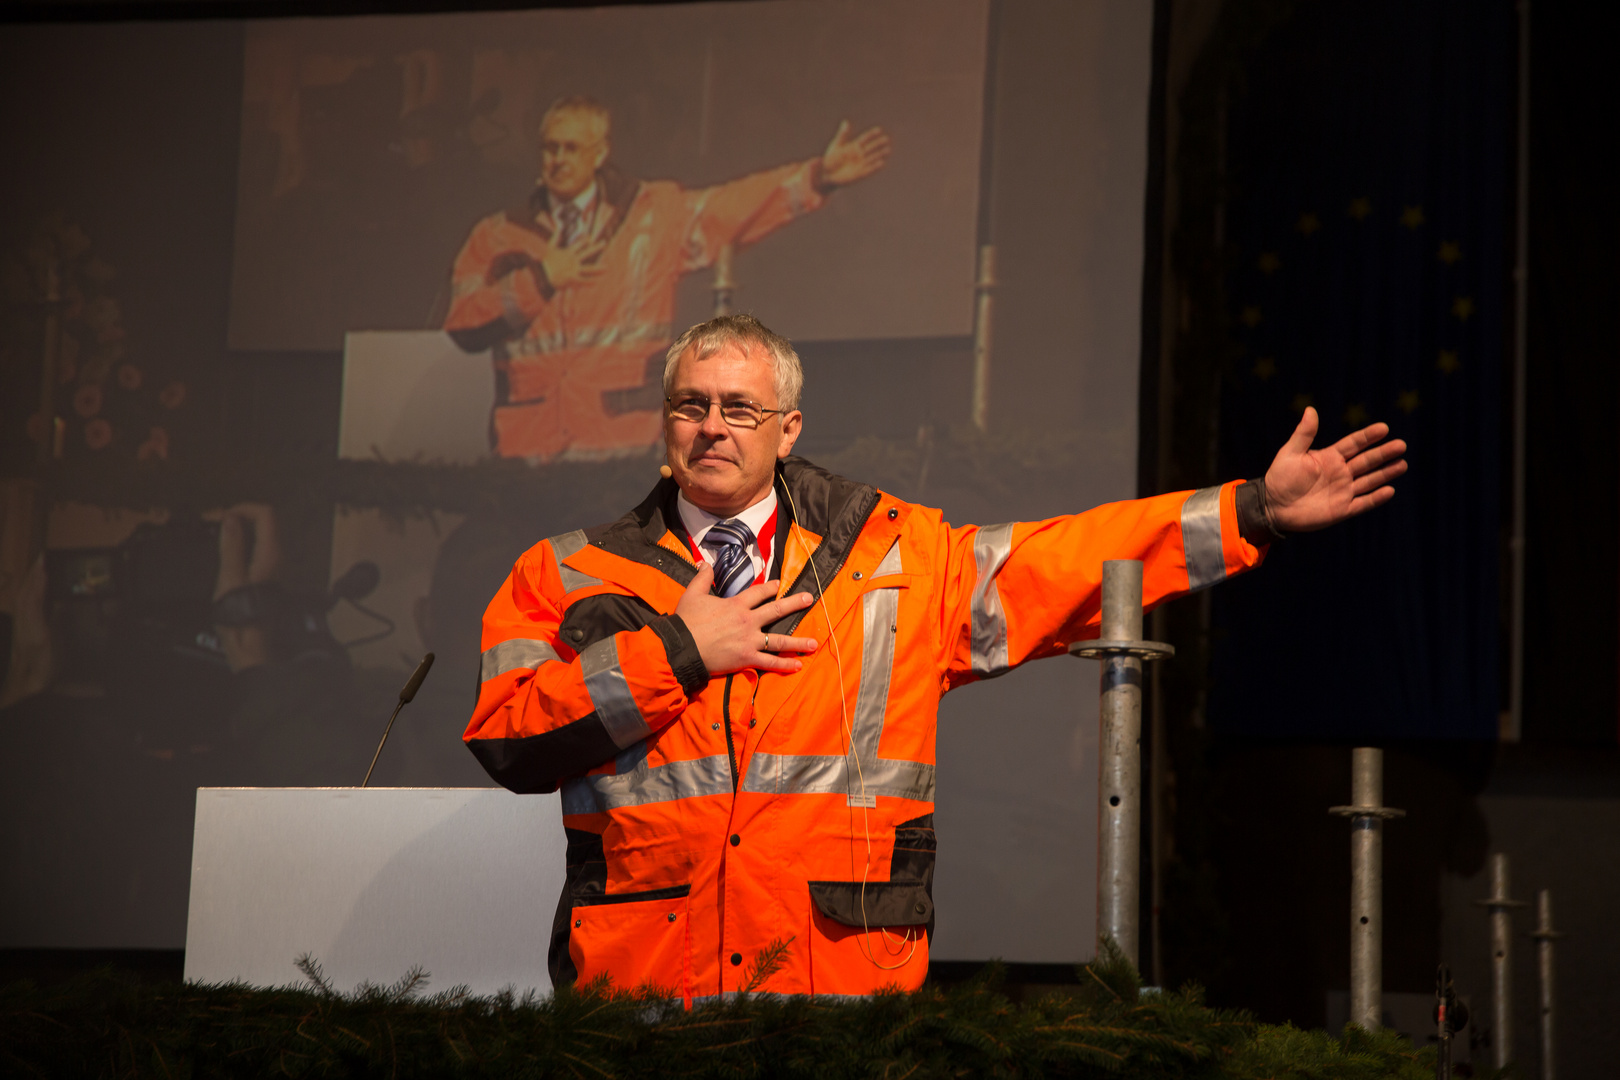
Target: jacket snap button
pixel 751 723
pixel 576 634
pixel 857 575
pixel 715 726
pixel 893 513
pixel 576 924
pixel 735 839
pixel 672 916
pixel 922 908
pixel 736 959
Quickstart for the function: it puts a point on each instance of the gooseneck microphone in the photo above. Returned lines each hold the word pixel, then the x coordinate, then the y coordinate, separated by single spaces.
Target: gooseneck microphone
pixel 405 697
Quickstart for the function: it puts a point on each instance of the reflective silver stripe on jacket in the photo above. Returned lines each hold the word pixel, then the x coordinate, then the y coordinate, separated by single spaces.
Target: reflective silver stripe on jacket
pixel 880 612
pixel 565 546
pixel 514 654
pixel 637 783
pixel 861 776
pixel 615 706
pixel 989 640
pixel 727 995
pixel 1201 538
pixel 599 337
pixel 830 774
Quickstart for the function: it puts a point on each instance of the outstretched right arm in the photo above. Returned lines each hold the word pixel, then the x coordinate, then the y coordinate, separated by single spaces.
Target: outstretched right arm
pixel 547 712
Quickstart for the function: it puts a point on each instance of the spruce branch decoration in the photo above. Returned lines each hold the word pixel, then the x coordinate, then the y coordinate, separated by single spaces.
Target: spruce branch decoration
pixel 109 1025
pixel 313 971
pixel 767 962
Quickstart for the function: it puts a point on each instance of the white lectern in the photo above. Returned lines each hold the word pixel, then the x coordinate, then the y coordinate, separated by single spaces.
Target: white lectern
pixel 371 881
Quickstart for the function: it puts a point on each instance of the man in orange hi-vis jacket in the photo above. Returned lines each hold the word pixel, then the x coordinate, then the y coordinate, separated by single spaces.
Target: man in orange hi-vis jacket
pixel 736 684
pixel 575 291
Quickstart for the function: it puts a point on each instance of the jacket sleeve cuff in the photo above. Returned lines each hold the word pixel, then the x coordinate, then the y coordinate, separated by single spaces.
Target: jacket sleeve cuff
pixel 1254 524
pixel 818 180
pixel 542 283
pixel 525 295
pixel 682 650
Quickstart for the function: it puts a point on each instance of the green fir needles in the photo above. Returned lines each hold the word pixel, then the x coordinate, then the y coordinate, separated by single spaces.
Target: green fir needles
pixel 104 1025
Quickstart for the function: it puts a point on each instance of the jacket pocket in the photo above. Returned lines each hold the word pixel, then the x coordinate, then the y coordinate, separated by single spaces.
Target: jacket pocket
pixel 636 938
pixel 906 899
pixel 881 903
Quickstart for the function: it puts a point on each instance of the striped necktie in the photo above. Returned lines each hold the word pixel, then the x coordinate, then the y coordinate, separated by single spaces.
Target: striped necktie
pixel 733 570
pixel 568 221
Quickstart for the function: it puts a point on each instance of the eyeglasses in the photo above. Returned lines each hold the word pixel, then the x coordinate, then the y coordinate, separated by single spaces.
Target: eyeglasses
pixel 736 413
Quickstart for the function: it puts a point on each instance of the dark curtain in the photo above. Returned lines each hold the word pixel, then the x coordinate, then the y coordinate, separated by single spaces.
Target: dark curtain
pixel 1572 550
pixel 1369 221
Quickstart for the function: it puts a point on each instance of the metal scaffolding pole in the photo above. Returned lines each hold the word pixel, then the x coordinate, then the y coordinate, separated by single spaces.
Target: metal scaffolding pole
pixel 984 288
pixel 1119 786
pixel 1501 908
pixel 1367 814
pixel 1545 935
pixel 725 282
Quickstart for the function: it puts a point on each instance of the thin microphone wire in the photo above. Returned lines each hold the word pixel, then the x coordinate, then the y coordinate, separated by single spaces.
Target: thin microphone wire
pixel 849 741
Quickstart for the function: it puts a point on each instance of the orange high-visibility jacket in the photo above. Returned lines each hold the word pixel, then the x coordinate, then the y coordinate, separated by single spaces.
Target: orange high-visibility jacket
pixel 579 371
pixel 710 817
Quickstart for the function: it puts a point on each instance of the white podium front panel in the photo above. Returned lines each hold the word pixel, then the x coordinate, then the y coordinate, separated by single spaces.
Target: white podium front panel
pixel 371 881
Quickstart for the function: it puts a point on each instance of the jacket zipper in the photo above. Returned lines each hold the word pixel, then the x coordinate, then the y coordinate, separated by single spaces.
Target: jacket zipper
pixel 833 576
pixel 731 746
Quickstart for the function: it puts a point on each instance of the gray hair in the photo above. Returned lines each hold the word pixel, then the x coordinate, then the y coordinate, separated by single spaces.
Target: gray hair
pixel 579 103
pixel 722 330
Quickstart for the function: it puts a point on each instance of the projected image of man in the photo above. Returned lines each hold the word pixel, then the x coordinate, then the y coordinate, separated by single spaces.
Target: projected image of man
pixel 574 291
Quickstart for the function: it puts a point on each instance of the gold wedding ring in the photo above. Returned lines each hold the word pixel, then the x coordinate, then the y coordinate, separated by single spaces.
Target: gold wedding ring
pixel 767 643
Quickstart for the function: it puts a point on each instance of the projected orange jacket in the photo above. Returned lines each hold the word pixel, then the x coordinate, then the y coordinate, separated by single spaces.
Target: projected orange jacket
pixel 579 370
pixel 708 818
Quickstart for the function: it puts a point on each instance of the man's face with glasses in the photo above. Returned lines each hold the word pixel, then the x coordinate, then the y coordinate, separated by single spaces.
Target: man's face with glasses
pixel 723 428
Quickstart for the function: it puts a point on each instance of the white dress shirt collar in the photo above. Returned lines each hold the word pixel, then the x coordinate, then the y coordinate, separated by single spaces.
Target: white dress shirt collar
pixel 699 521
pixel 584 199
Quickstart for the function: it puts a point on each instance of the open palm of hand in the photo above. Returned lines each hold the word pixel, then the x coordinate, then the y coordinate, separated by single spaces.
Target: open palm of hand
pixel 847 160
pixel 1311 489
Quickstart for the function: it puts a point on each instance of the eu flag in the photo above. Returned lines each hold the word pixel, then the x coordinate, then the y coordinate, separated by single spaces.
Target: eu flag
pixel 1369 224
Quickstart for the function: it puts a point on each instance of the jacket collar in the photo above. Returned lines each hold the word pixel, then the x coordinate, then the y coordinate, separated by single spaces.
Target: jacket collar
pixel 831 506
pixel 614 187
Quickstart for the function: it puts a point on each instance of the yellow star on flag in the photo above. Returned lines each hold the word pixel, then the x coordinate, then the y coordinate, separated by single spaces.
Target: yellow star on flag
pixel 1448 362
pixel 1450 252
pixel 1264 368
pixel 1412 216
pixel 1463 307
pixel 1302 402
pixel 1251 315
pixel 1407 401
pixel 1308 223
pixel 1360 207
pixel 1356 416
pixel 1270 263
